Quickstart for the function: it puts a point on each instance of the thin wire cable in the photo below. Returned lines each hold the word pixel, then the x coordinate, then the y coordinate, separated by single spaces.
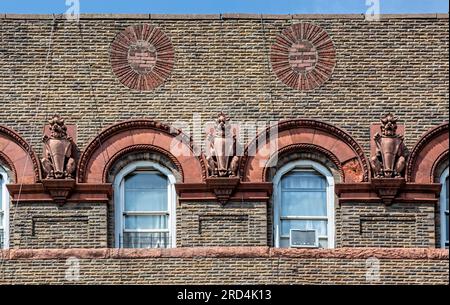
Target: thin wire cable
pixel 91 92
pixel 29 150
pixel 269 70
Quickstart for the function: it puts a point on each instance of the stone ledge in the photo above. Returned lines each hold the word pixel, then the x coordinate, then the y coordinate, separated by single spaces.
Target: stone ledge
pixel 227 252
pixel 222 16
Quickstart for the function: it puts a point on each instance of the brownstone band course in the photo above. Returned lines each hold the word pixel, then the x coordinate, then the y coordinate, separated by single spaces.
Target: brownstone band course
pixel 237 252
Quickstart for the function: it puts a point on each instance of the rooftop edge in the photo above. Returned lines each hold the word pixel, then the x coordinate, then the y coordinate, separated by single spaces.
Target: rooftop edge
pixel 222 16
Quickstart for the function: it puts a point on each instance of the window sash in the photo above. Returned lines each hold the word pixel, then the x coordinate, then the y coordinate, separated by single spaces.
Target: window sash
pixel 327 188
pixel 146 230
pixel 144 213
pixel 295 217
pixel 444 209
pixel 168 211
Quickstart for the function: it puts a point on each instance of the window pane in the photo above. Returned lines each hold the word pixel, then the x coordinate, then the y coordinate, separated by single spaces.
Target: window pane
pixel 446 193
pixel 1 204
pixel 284 242
pixel 145 240
pixel 303 203
pixel 319 225
pixel 145 180
pixel 446 227
pixel 146 192
pixel 135 222
pixel 323 242
pixel 152 200
pixel 303 180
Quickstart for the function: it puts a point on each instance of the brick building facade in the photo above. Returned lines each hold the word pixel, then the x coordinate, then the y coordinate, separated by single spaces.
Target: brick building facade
pixel 139 95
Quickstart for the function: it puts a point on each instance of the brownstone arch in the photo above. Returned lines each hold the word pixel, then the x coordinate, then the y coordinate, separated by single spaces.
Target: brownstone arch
pixel 305 135
pixel 125 137
pixel 18 156
pixel 430 152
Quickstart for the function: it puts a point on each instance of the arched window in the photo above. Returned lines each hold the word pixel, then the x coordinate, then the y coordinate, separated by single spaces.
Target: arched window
pixel 4 210
pixel 144 206
pixel 444 209
pixel 304 205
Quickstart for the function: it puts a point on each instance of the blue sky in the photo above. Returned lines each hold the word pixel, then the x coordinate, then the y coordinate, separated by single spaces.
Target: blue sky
pixel 223 6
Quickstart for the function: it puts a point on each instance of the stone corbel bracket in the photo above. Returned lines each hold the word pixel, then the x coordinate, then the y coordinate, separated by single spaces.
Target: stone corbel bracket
pixel 222 188
pixel 387 189
pixel 59 189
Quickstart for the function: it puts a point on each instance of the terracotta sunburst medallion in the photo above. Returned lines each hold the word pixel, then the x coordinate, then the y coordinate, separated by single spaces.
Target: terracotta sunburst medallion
pixel 142 57
pixel 303 56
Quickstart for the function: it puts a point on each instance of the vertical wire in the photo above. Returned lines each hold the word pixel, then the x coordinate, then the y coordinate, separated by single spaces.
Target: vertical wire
pixel 269 70
pixel 92 95
pixel 29 148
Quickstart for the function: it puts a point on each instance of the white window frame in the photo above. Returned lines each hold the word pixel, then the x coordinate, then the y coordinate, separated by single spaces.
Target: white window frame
pixel 303 164
pixel 442 203
pixel 5 207
pixel 119 198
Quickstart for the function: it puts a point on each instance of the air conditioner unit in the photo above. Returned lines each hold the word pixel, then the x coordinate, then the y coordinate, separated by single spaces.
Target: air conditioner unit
pixel 303 238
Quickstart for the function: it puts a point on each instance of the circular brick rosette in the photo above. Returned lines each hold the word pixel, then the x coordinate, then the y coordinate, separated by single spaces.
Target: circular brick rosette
pixel 303 56
pixel 142 57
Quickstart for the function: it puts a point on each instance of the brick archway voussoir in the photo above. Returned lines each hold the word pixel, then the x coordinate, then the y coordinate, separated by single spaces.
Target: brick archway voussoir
pixel 18 156
pixel 429 151
pixel 141 134
pixel 314 136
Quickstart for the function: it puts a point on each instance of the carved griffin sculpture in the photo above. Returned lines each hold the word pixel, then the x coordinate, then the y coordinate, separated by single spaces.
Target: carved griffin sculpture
pixel 222 160
pixel 391 152
pixel 59 160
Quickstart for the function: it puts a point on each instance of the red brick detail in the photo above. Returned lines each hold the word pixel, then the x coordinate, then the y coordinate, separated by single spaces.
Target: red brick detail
pixel 305 135
pixel 237 252
pixel 142 57
pixel 303 56
pixel 431 148
pixel 353 170
pixel 139 135
pixel 18 155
